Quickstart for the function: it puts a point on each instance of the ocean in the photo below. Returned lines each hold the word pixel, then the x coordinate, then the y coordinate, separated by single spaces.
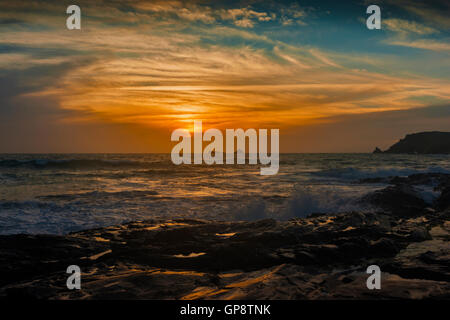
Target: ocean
pixel 58 194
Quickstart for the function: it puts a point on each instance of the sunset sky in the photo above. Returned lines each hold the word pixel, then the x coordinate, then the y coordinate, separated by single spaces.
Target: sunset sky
pixel 138 70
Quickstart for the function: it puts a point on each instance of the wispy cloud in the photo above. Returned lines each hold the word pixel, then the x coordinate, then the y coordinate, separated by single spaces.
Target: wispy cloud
pixel 159 64
pixel 424 44
pixel 433 12
pixel 323 58
pixel 405 26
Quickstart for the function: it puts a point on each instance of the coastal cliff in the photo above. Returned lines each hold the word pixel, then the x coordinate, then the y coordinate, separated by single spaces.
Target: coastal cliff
pixel 434 142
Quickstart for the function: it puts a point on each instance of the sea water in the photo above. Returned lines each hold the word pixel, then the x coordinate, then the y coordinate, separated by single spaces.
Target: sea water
pixel 57 194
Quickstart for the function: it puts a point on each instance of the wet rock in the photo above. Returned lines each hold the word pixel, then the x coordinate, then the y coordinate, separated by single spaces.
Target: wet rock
pixel 399 200
pixel 443 202
pixel 420 234
pixel 384 248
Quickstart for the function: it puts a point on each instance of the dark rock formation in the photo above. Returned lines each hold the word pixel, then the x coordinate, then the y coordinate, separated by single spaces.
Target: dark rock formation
pixel 443 202
pixel 401 200
pixel 377 150
pixel 318 257
pixel 434 142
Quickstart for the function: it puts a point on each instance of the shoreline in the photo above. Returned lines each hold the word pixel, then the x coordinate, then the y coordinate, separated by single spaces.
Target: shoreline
pixel 323 256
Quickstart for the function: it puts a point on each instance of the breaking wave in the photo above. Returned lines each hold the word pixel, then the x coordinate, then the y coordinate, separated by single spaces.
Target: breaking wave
pixel 306 200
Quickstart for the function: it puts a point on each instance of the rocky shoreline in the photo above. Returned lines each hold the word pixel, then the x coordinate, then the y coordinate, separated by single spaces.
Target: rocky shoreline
pixel 318 257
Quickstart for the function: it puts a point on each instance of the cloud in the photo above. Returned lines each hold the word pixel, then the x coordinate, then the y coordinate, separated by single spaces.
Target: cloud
pixel 187 11
pixel 168 74
pixel 434 12
pixel 158 65
pixel 241 17
pixel 404 26
pixel 293 14
pixel 424 44
pixel 323 58
pixel 244 22
pixel 290 59
pixel 245 17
